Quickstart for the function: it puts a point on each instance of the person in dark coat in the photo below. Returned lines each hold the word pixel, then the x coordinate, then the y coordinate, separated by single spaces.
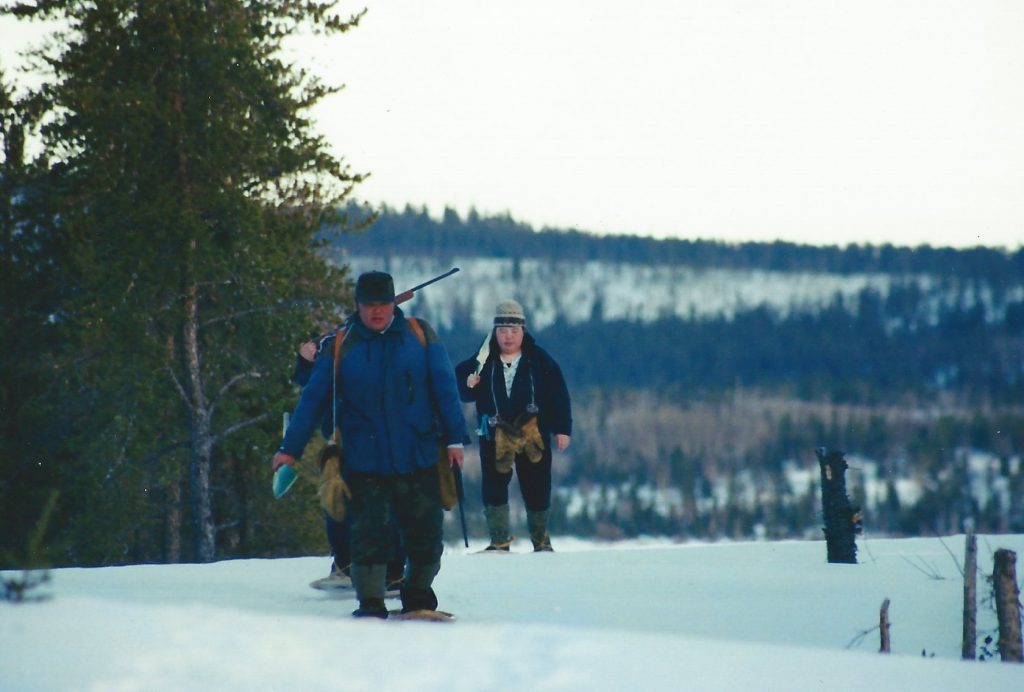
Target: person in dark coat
pixel 394 398
pixel 523 406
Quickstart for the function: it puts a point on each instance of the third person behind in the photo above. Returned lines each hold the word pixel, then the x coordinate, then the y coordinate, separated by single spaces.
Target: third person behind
pixel 522 404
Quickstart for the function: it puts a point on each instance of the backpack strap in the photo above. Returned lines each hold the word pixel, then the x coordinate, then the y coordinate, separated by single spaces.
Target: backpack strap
pixel 417 329
pixel 339 338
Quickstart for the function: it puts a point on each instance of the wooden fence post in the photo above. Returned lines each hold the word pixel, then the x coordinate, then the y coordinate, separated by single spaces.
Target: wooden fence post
pixel 1004 580
pixel 970 644
pixel 842 521
pixel 883 627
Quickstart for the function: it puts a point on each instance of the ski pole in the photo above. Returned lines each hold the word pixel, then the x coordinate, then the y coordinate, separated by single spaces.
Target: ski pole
pixel 462 501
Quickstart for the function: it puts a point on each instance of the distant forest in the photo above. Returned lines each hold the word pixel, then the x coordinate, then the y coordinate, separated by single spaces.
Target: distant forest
pixel 414 232
pixel 866 358
pixel 715 408
pixel 867 351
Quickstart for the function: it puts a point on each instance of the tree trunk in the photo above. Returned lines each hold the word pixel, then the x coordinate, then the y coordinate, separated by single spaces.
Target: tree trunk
pixel 1004 579
pixel 173 519
pixel 201 446
pixel 842 521
pixel 172 524
pixel 199 490
pixel 970 648
pixel 883 627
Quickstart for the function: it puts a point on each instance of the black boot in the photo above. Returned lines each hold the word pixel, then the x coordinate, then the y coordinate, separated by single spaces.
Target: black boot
pixel 538 523
pixel 498 527
pixel 418 599
pixel 368 581
pixel 371 608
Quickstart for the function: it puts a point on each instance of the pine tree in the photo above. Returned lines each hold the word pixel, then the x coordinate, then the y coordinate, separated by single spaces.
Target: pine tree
pixel 30 291
pixel 192 186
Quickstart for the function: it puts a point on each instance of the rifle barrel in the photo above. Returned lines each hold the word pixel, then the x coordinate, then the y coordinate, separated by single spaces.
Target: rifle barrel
pixel 409 293
pixel 434 280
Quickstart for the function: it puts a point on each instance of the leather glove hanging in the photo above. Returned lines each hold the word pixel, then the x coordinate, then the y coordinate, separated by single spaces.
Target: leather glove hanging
pixel 333 490
pixel 508 442
pixel 533 443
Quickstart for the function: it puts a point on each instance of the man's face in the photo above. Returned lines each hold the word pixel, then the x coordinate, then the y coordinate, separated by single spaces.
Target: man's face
pixel 510 339
pixel 376 316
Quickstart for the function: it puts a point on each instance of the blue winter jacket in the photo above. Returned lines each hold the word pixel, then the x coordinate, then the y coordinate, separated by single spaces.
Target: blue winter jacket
pixel 395 399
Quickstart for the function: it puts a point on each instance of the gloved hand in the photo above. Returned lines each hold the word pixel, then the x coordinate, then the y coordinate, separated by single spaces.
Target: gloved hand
pixel 280 459
pixel 333 490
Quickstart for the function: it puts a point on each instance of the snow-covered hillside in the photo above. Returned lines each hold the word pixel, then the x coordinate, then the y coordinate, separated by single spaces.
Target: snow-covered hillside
pixel 641 615
pixel 579 291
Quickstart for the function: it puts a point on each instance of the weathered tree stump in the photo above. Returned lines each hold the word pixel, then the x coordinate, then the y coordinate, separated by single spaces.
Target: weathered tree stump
pixel 842 520
pixel 1004 580
pixel 969 651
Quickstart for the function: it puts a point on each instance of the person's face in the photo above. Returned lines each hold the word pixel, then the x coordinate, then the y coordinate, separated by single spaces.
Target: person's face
pixel 376 316
pixel 510 339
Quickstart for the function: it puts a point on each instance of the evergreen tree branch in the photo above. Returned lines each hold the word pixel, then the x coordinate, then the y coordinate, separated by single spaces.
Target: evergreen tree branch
pixel 232 429
pixel 178 386
pixel 253 311
pixel 166 449
pixel 231 383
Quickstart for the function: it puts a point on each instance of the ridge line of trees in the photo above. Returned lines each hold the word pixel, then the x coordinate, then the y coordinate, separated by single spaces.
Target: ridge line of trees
pixel 413 231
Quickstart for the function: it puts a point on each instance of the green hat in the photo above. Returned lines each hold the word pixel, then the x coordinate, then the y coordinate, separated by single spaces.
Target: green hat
pixel 375 287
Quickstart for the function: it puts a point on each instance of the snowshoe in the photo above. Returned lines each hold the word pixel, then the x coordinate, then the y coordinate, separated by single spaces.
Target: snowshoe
pixel 418 599
pixel 424 615
pixel 502 547
pixel 337 580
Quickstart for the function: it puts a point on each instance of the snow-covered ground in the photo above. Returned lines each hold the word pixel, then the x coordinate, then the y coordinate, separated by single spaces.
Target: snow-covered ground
pixel 643 615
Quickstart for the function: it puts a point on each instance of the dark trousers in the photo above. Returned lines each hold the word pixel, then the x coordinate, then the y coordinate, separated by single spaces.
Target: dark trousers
pixel 409 502
pixel 339 536
pixel 534 478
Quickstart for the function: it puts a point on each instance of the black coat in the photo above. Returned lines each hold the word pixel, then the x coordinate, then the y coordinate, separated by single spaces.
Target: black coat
pixel 538 378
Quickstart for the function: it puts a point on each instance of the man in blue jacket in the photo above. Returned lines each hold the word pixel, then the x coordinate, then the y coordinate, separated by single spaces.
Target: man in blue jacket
pixel 395 398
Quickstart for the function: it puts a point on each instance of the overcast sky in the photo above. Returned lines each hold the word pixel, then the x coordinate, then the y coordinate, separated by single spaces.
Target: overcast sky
pixel 816 121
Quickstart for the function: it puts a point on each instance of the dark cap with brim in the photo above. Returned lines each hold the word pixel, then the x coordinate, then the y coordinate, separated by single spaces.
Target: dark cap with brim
pixel 375 287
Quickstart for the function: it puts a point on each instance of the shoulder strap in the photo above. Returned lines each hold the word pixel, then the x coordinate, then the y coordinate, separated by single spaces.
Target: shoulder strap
pixel 339 337
pixel 417 329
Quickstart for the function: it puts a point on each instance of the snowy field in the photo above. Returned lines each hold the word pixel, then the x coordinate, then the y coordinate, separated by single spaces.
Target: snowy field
pixel 642 615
